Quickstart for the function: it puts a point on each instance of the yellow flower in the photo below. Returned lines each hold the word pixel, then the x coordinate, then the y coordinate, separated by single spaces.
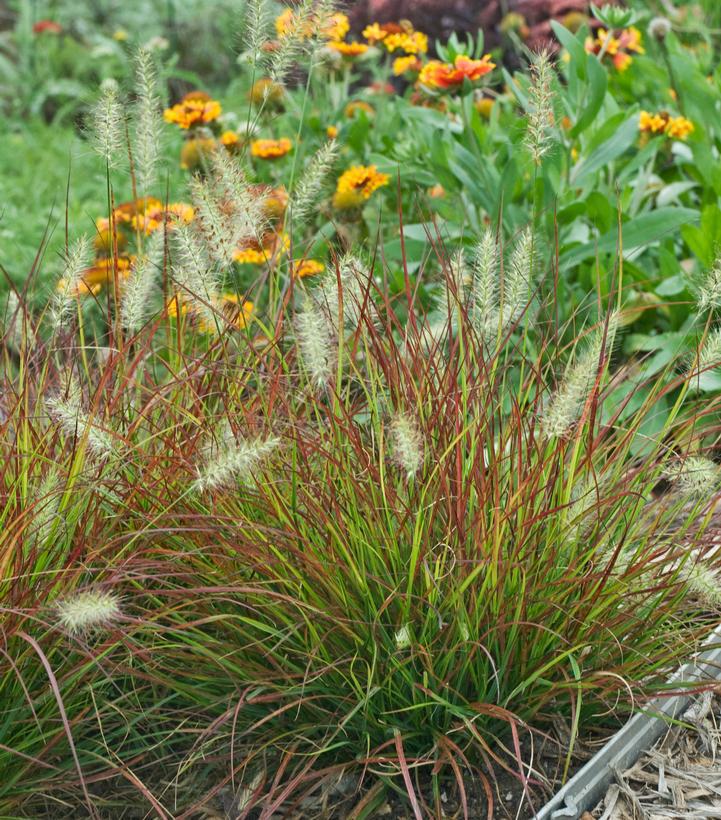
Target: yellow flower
pixel 120 35
pixel 80 288
pixel 331 132
pixel 358 105
pixel 196 152
pixel 652 123
pixel 356 185
pixel 336 27
pixel 230 140
pixel 403 64
pixel 437 192
pixel 374 33
pixel 484 106
pixel 254 253
pixel 285 23
pixel 679 128
pixel 265 90
pixel 306 267
pixel 270 149
pixel 104 237
pixel 232 312
pixel 412 42
pixel 193 111
pixel 348 49
pixel 662 123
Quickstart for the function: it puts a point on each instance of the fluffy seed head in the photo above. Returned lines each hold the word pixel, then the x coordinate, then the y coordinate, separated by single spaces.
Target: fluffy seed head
pixel 709 294
pixel 518 279
pixel 88 611
pixel 77 260
pixel 659 28
pixel 540 117
pixel 567 403
pixel 310 184
pixel 138 289
pixel 226 461
pixel 315 342
pixel 706 364
pixel 407 444
pixel 148 120
pixel 107 121
pixel 695 476
pixel 403 637
pixel 75 422
pixel 703 583
pixel 484 286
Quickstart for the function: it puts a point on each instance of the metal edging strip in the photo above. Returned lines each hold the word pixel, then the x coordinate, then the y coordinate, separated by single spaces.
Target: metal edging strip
pixel 589 784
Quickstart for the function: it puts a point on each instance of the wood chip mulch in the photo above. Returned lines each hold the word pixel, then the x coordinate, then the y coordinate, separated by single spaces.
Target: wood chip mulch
pixel 679 778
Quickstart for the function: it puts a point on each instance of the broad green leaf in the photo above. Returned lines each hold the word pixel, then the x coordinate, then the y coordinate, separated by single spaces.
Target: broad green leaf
pixel 638 233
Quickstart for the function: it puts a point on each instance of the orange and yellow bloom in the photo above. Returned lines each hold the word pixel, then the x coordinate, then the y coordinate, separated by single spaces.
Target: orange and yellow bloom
pixel 438 75
pixel 662 123
pixel 619 48
pixel 156 216
pixel 402 65
pixel 270 149
pixel 192 111
pixel 348 49
pixel 306 267
pixel 356 185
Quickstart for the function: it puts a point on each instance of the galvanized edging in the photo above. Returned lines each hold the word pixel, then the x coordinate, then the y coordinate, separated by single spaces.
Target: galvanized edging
pixel 589 784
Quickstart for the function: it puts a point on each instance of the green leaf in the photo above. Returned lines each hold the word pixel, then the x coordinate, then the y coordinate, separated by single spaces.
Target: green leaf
pixel 605 153
pixel 638 233
pixel 597 84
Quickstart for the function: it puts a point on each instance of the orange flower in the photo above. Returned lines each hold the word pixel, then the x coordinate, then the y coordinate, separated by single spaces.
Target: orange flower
pixel 157 216
pixel 436 74
pixel 617 48
pixel 193 110
pixel 348 49
pixel 306 267
pixel 127 210
pixel 663 123
pixel 270 149
pixel 331 132
pixel 356 185
pixel 437 192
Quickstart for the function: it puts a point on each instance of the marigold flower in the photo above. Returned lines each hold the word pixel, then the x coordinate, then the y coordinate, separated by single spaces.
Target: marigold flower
pixel 193 111
pixel 334 27
pixel 331 132
pixel 679 128
pixel 356 185
pixel 255 253
pixel 412 42
pixel 306 267
pixel 355 106
pixel 652 123
pixel 127 210
pixel 374 33
pixel 403 64
pixel 436 74
pixel 157 216
pixel 348 49
pixel 195 153
pixel 230 140
pixel 270 149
